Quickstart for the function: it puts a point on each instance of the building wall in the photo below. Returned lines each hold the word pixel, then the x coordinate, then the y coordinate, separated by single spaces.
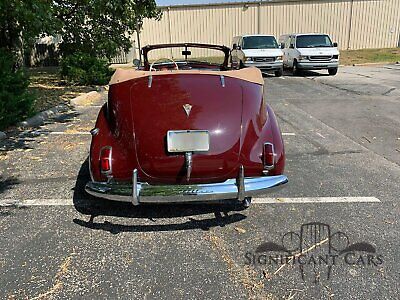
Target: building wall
pixel 354 24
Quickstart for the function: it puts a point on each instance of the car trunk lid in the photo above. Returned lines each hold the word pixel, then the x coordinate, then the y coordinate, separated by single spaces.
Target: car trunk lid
pixel 158 105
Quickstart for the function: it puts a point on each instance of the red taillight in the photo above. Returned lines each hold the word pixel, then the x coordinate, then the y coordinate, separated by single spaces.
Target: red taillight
pixel 105 160
pixel 269 156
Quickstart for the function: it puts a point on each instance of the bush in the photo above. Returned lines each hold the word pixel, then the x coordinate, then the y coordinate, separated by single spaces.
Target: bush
pixel 84 69
pixel 16 103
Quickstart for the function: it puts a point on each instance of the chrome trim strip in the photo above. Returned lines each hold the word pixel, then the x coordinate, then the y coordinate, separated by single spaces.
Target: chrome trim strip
pixel 94 131
pixel 146 193
pixel 222 80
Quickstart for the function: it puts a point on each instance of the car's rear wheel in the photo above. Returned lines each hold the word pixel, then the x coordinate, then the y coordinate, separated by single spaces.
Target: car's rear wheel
pixel 332 71
pixel 241 65
pixel 296 71
pixel 246 202
pixel 278 73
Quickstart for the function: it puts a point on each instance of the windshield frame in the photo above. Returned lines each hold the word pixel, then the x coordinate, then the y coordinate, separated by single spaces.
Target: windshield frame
pixel 259 36
pixel 224 49
pixel 312 35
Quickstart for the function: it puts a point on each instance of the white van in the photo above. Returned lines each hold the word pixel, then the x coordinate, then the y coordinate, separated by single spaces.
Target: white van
pixel 257 50
pixel 309 51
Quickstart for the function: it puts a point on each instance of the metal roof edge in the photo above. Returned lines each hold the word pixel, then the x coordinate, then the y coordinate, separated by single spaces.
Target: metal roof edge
pixel 239 3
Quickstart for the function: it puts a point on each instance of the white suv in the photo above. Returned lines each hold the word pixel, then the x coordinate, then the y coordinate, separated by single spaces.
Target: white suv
pixel 309 51
pixel 261 51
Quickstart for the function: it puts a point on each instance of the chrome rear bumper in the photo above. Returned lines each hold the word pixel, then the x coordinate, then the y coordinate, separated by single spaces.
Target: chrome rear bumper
pixel 315 65
pixel 139 192
pixel 276 65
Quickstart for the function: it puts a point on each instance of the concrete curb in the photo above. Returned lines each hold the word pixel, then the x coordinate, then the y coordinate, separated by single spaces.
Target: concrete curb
pixel 371 64
pixel 41 117
pixel 88 98
pixel 3 135
pixel 85 99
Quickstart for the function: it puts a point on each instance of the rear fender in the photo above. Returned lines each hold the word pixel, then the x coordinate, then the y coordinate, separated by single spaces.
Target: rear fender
pixel 256 133
pixel 122 158
pixel 275 132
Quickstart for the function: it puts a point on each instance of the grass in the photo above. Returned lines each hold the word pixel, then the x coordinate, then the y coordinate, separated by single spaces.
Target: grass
pixel 50 90
pixel 351 57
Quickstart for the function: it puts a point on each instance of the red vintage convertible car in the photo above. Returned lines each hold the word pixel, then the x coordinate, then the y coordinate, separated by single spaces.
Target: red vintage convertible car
pixel 185 130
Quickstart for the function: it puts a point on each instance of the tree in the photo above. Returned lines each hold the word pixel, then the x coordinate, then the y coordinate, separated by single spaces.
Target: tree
pixel 91 30
pixel 101 27
pixel 22 22
pixel 95 27
pixel 15 102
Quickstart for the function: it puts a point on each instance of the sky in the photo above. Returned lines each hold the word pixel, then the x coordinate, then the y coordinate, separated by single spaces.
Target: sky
pixel 174 2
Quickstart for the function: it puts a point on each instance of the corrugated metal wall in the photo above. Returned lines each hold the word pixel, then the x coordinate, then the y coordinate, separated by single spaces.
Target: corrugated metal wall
pixel 354 24
pixel 375 24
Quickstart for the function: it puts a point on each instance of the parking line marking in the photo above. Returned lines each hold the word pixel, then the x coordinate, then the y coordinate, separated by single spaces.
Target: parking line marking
pixel 315 200
pixel 37 202
pixel 70 133
pixel 255 200
pixel 288 133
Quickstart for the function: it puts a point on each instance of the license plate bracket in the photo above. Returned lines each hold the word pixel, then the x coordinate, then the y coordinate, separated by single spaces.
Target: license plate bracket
pixel 188 140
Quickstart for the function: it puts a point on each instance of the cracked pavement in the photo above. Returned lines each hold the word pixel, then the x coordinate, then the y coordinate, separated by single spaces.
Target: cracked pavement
pixel 342 139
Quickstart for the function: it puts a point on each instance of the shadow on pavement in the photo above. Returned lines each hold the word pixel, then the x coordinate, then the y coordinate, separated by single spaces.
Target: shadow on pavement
pixel 320 73
pixel 19 138
pixel 306 73
pixel 85 204
pixel 8 183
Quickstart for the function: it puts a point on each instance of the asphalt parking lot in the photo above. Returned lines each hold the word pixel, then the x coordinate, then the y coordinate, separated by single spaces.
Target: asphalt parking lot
pixel 342 139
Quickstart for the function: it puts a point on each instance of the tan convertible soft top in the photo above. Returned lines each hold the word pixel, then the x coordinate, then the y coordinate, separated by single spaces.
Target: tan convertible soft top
pixel 248 74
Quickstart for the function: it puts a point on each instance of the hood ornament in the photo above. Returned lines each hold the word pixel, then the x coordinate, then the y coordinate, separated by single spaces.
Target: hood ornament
pixel 187 108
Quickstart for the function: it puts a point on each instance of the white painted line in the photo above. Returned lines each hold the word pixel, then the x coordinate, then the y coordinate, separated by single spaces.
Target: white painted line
pixel 70 133
pixel 315 200
pixel 288 133
pixel 37 202
pixel 255 200
pixel 49 202
pixel 320 135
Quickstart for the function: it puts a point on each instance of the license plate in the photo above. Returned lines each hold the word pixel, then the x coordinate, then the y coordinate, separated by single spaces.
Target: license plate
pixel 188 140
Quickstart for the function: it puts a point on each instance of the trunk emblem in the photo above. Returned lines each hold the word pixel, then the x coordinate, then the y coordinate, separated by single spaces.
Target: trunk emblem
pixel 187 108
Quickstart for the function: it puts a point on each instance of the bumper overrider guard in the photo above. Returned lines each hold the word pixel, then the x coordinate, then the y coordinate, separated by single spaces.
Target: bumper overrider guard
pixel 139 192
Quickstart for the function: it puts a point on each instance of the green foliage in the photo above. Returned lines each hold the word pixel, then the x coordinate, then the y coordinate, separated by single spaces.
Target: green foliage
pixel 21 22
pixel 96 27
pixel 102 27
pixel 90 29
pixel 15 101
pixel 84 69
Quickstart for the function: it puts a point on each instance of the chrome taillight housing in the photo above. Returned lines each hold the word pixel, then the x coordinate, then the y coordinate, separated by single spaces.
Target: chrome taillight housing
pixel 269 156
pixel 105 160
